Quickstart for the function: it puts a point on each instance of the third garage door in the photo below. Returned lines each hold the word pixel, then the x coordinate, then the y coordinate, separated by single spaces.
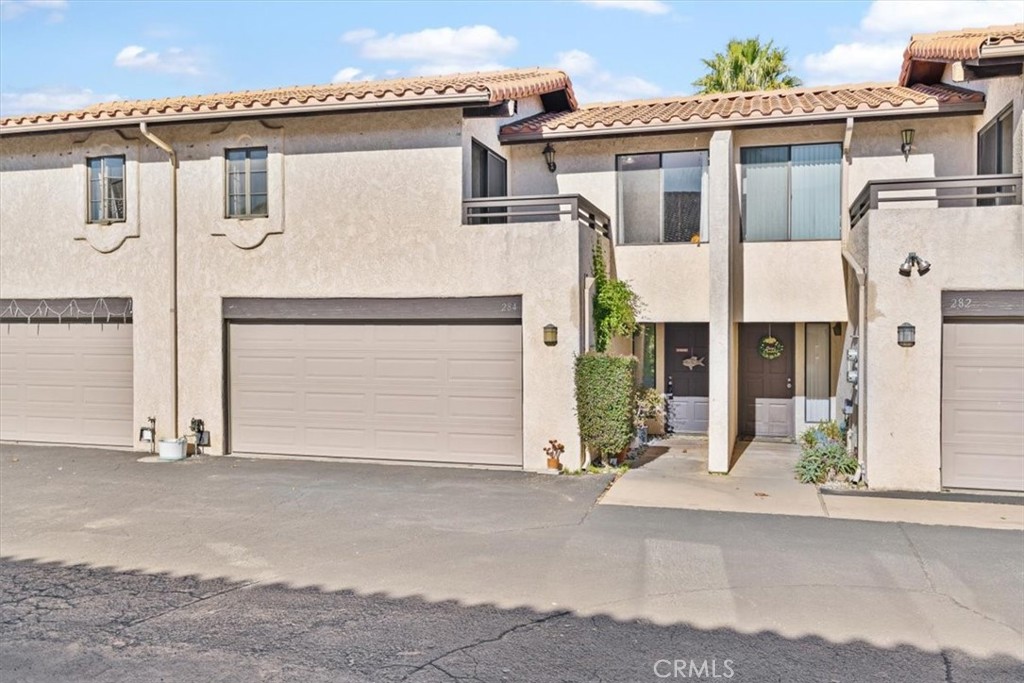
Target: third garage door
pixel 437 392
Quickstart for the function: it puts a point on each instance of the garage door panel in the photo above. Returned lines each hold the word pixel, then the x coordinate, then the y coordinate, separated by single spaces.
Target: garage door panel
pixel 66 383
pixel 388 391
pixel 983 405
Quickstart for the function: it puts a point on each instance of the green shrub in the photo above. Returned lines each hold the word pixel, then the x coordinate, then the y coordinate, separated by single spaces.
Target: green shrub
pixel 616 306
pixel 823 455
pixel 605 402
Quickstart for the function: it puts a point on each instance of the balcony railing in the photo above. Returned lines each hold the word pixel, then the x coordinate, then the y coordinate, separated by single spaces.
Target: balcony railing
pixel 977 190
pixel 536 208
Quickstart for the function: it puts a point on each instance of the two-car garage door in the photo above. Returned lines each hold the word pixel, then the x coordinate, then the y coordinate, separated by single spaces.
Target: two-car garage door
pixel 437 391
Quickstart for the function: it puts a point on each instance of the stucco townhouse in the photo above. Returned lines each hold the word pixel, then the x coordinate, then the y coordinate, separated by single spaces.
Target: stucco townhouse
pixel 402 270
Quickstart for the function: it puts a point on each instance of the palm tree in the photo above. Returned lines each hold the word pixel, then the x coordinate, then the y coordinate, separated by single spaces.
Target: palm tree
pixel 746 65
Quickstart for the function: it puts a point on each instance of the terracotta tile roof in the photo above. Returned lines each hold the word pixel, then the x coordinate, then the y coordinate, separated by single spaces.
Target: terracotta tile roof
pixel 704 111
pixel 485 87
pixel 954 46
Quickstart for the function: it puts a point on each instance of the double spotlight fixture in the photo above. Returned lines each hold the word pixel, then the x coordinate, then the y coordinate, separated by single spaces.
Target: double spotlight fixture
pixel 914 261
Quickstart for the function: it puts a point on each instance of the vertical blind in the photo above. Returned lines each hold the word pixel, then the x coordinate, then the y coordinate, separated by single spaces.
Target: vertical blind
pixel 817 365
pixel 791 192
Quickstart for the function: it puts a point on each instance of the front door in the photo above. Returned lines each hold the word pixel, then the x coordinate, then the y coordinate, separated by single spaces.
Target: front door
pixel 686 370
pixel 766 384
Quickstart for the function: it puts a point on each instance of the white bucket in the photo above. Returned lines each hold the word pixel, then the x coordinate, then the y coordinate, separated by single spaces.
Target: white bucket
pixel 172 449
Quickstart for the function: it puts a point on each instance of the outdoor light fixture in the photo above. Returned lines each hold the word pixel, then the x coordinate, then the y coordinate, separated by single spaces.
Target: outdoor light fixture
pixel 905 335
pixel 912 260
pixel 907 136
pixel 550 335
pixel 837 329
pixel 549 157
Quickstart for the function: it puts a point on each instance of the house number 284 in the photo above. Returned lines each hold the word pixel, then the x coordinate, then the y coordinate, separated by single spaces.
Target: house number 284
pixel 960 303
pixel 509 307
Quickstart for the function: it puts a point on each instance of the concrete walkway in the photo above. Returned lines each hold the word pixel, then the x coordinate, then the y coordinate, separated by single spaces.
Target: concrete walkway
pixel 673 474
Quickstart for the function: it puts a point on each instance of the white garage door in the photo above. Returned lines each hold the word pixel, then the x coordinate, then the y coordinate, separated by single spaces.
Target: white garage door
pixel 400 391
pixel 66 383
pixel 983 405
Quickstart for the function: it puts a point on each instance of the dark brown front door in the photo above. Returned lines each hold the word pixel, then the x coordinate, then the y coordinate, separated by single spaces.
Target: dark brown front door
pixel 766 386
pixel 686 370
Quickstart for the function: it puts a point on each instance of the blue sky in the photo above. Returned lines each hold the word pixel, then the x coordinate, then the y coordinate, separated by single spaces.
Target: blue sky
pixel 61 54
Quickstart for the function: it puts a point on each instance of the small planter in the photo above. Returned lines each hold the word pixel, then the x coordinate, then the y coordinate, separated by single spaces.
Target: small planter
pixel 553 464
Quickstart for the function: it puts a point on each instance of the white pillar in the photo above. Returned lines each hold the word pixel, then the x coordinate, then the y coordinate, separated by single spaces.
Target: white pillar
pixel 721 330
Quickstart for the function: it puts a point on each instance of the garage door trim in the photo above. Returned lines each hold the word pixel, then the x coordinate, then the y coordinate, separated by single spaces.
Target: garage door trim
pixel 373 309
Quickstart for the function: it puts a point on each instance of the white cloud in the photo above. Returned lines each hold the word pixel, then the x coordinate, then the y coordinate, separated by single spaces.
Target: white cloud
pixel 172 61
pixel 905 17
pixel 49 100
pixel 643 6
pixel 358 35
pixel 849 62
pixel 351 73
pixel 437 50
pixel 874 51
pixel 11 9
pixel 594 84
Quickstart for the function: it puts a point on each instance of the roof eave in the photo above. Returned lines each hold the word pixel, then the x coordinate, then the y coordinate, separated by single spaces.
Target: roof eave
pixel 248 112
pixel 675 126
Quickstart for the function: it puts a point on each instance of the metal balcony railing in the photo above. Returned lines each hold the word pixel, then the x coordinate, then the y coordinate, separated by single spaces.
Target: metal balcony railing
pixel 978 190
pixel 535 208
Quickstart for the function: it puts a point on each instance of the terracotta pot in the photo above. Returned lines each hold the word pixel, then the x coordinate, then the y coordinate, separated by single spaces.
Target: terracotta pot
pixel 553 463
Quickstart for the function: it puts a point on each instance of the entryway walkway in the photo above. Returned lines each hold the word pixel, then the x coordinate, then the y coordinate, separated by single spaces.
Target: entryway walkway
pixel 673 474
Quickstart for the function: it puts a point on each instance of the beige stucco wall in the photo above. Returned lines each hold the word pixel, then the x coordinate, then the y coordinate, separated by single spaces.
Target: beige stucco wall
pixel 969 248
pixel 43 215
pixel 371 208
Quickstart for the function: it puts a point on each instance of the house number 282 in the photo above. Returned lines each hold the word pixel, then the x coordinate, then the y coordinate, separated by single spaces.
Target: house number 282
pixel 960 303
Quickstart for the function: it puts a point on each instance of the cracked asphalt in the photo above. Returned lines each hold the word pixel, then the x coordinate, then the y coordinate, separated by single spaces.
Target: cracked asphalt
pixel 224 569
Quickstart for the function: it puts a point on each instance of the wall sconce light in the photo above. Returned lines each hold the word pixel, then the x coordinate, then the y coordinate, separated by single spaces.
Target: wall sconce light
pixel 550 335
pixel 907 136
pixel 549 157
pixel 906 335
pixel 912 260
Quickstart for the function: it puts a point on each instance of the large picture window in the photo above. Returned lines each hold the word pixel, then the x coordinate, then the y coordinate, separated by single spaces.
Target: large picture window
pixel 663 197
pixel 106 189
pixel 246 182
pixel 791 192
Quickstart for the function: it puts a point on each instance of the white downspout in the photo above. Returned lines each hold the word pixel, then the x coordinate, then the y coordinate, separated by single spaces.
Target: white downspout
pixel 174 271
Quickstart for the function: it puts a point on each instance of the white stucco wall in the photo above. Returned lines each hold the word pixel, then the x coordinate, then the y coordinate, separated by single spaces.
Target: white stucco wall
pixel 969 248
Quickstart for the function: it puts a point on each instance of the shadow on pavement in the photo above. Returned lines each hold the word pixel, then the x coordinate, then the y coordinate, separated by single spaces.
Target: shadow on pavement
pixel 78 622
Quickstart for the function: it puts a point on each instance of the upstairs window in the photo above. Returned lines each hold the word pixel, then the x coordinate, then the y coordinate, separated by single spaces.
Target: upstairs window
pixel 791 192
pixel 489 179
pixel 995 154
pixel 106 189
pixel 246 182
pixel 663 197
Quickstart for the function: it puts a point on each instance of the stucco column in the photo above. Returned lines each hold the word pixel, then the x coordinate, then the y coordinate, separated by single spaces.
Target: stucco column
pixel 720 328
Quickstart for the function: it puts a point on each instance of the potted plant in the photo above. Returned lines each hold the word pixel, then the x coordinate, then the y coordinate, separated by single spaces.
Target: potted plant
pixel 554 451
pixel 650 405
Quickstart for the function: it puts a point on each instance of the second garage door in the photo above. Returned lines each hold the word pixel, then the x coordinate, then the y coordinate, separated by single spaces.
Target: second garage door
pixel 983 405
pixel 437 392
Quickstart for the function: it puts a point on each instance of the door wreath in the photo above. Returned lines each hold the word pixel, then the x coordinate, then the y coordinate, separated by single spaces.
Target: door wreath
pixel 770 347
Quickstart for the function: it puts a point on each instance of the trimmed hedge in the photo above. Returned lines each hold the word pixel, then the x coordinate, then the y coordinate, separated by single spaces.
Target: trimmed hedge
pixel 605 402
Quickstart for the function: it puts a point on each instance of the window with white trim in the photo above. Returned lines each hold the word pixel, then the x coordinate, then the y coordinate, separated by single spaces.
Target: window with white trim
pixel 106 189
pixel 246 182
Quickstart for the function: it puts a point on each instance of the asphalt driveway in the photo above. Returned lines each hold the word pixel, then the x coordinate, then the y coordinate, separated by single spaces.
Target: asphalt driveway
pixel 231 569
